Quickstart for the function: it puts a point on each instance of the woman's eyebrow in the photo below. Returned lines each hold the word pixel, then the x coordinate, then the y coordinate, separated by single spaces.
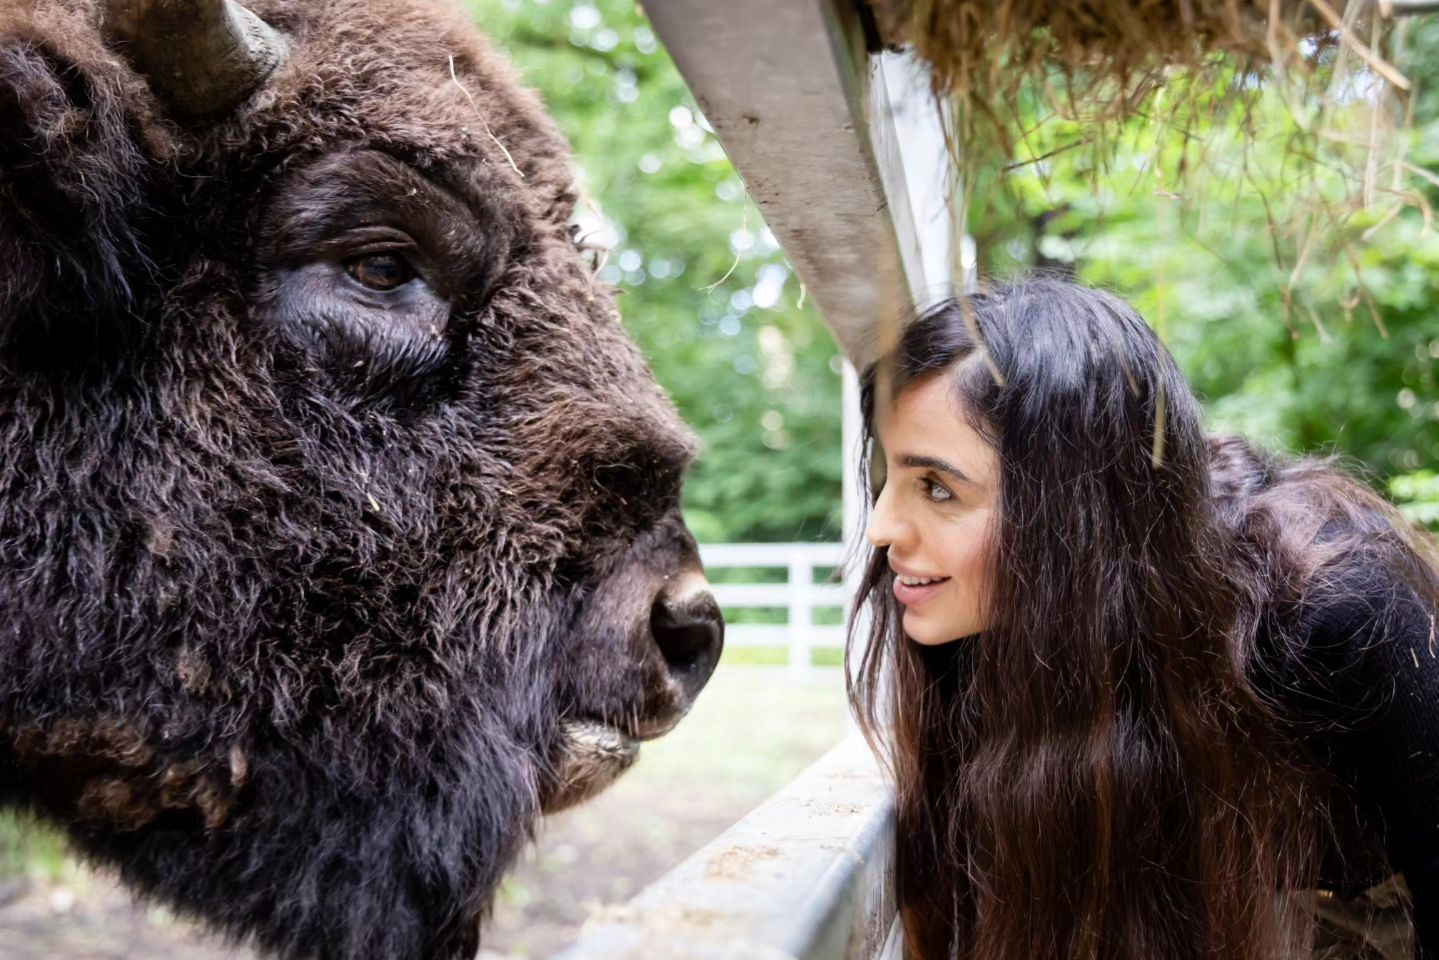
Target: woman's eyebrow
pixel 934 463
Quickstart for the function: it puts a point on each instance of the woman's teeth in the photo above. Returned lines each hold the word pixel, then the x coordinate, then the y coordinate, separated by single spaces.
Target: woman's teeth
pixel 920 581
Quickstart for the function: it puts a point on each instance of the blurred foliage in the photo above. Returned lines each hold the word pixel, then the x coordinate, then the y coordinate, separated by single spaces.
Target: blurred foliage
pixel 1417 494
pixel 30 849
pixel 704 287
pixel 1305 334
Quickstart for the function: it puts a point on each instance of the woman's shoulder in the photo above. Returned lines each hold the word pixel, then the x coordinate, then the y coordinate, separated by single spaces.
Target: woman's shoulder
pixel 1337 567
pixel 1360 638
pixel 1361 598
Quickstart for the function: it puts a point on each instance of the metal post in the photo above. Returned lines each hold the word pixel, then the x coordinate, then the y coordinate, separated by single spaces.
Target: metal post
pixel 854 508
pixel 801 614
pixel 850 454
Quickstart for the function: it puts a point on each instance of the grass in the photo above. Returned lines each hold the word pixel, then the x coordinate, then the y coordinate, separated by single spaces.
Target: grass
pixel 31 849
pixel 778 657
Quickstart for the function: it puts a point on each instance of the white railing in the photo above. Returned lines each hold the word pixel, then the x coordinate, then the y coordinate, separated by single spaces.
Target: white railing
pixel 799 595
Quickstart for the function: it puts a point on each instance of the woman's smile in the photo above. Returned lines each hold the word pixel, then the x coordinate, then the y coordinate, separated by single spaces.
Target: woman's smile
pixel 913 589
pixel 912 594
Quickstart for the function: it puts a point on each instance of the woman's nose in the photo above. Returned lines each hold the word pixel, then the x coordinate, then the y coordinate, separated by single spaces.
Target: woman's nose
pixel 884 528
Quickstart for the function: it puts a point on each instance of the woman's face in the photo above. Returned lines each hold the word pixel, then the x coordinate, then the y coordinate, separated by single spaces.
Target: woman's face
pixel 936 511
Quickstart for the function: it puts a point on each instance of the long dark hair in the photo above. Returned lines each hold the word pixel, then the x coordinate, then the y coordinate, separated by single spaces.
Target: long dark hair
pixel 1098 774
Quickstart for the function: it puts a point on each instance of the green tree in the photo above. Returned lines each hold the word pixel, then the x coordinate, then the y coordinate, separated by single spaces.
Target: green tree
pixel 703 286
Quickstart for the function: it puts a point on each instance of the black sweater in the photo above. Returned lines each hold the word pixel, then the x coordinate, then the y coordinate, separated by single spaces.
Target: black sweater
pixel 1364 688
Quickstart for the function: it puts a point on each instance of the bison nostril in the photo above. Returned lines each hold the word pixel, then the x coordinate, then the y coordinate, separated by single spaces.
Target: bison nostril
pixel 689 631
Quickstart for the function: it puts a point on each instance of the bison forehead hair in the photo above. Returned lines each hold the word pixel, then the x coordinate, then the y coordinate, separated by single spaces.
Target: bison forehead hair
pixel 340 525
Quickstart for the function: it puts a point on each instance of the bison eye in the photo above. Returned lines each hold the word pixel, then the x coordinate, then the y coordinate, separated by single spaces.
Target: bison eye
pixel 380 271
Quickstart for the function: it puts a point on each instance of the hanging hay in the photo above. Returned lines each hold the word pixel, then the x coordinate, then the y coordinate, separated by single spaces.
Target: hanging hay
pixel 990 46
pixel 1046 83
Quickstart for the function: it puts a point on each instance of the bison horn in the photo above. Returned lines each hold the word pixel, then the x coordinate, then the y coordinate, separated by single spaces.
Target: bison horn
pixel 202 57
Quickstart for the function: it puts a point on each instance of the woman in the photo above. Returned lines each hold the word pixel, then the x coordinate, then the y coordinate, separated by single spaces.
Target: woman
pixel 1144 693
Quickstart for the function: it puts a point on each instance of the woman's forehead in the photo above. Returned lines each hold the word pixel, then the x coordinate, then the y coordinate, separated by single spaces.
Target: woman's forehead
pixel 927 420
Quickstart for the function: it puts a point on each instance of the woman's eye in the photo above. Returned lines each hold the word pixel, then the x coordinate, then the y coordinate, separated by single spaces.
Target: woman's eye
pixel 936 491
pixel 380 271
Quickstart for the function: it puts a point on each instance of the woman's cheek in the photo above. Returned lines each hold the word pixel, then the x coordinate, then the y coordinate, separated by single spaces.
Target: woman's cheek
pixel 969 546
pixel 972 564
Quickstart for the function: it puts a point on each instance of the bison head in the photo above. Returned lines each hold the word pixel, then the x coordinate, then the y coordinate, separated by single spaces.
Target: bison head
pixel 339 518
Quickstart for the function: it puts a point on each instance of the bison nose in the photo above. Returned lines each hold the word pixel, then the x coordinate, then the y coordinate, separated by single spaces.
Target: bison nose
pixel 689 631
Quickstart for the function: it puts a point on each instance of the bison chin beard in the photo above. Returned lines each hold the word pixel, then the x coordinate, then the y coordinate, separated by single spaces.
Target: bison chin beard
pixel 588 758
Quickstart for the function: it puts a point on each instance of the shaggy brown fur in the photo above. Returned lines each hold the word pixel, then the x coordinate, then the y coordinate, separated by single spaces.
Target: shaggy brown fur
pixel 302 582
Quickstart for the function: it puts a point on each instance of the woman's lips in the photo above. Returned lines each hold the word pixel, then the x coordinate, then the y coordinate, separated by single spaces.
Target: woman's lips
pixel 911 595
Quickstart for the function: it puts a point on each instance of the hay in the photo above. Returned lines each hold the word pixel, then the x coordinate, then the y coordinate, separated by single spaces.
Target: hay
pixel 993 45
pixel 1052 83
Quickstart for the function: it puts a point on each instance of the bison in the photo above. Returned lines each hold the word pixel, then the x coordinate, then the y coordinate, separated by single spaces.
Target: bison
pixel 340 528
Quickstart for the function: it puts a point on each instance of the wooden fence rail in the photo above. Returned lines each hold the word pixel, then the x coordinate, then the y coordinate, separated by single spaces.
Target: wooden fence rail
pixel 806 876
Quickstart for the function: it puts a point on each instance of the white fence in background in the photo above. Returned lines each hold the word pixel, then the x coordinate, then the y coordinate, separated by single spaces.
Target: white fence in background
pixel 799 595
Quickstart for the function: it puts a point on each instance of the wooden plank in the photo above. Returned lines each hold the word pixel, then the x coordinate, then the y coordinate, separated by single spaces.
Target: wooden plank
pixel 803 877
pixel 791 92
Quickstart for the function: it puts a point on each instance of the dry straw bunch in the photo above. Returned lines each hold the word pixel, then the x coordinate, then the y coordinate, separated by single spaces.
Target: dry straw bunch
pixel 989 46
pixel 1030 81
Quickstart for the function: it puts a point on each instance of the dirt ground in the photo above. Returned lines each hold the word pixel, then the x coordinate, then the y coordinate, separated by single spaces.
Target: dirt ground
pixel 752 731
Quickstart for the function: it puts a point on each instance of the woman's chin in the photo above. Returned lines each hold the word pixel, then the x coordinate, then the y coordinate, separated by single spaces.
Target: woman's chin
pixel 926 634
pixel 931 631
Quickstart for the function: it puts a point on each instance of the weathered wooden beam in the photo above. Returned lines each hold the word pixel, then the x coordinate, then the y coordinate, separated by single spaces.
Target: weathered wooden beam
pixel 805 114
pixel 806 876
